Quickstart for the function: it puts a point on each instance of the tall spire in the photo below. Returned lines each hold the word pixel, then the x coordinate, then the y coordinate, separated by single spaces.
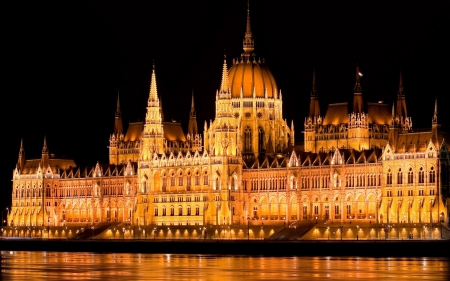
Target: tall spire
pixel 44 147
pixel 249 44
pixel 224 86
pixel 21 160
pixel 357 93
pixel 401 101
pixel 153 94
pixel 118 127
pixel 192 127
pixel 21 149
pixel 192 113
pixel 435 115
pixel 314 109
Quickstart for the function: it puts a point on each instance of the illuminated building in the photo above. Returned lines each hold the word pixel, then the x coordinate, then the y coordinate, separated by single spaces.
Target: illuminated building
pixel 360 161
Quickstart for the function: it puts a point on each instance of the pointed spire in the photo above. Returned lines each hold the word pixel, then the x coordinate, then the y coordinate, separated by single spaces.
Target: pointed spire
pixel 118 127
pixel 249 44
pixel 224 86
pixel 314 109
pixel 192 126
pixel 401 101
pixel 21 149
pixel 192 113
pixel 153 94
pixel 400 86
pixel 118 112
pixel 44 147
pixel 435 115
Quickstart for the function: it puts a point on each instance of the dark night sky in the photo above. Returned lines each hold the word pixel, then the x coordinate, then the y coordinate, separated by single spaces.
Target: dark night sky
pixel 63 63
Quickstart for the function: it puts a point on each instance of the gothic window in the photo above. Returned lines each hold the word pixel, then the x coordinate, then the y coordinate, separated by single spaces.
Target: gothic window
pixel 217 184
pixel 248 139
pixel 180 179
pixel 172 180
pixel 197 178
pixel 410 176
pixel 399 176
pixel 260 140
pixel 144 187
pixel 432 175
pixel 421 175
pixel 389 177
pixel 205 178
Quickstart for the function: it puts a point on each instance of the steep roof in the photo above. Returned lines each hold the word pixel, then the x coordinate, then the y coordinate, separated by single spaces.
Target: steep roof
pixel 337 113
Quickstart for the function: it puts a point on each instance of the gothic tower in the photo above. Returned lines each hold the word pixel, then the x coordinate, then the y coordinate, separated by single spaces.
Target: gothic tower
pixel 153 133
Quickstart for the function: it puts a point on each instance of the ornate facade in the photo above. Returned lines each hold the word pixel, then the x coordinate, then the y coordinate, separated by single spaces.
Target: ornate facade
pixel 360 161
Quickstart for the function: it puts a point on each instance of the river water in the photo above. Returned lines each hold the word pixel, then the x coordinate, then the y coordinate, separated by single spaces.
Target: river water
pixel 59 266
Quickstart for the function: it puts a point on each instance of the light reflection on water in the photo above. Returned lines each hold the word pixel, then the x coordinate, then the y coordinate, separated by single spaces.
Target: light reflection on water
pixel 50 266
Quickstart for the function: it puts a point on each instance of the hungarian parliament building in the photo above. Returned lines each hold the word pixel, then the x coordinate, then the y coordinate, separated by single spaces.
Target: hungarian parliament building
pixel 359 161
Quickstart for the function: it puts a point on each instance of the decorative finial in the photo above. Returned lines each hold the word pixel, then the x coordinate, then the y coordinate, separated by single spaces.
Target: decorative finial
pixel 249 45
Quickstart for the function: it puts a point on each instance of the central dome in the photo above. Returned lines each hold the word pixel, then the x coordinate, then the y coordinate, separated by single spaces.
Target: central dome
pixel 251 76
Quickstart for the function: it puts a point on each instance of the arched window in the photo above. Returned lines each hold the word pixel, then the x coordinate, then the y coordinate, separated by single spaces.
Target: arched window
pixel 180 179
pixel 197 210
pixel 144 187
pixel 399 176
pixel 180 210
pixel 188 209
pixel 410 176
pixel 172 180
pixel 389 177
pixel 164 211
pixel 172 210
pixel 205 178
pixel 421 175
pixel 261 148
pixel 432 175
pixel 156 211
pixel 248 139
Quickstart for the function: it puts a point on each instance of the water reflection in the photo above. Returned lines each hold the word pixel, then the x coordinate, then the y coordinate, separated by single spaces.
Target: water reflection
pixel 95 266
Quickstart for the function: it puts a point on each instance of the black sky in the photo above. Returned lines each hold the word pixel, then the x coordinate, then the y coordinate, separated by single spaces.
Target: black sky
pixel 63 63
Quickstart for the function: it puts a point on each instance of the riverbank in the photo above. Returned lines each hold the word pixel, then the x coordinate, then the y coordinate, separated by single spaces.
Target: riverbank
pixel 366 248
